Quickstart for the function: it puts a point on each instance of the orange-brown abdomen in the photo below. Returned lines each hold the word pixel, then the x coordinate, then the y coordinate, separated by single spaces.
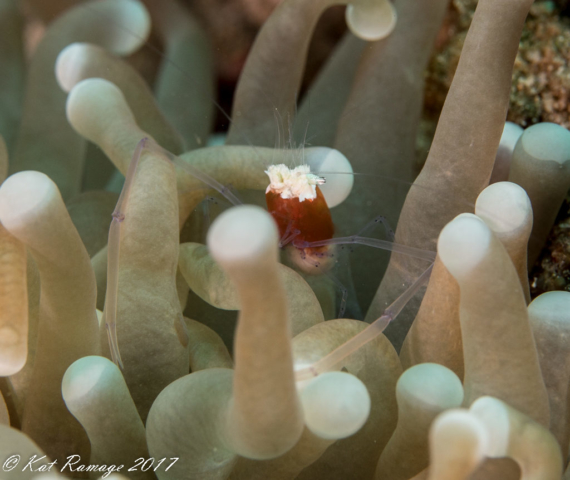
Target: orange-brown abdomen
pixel 312 218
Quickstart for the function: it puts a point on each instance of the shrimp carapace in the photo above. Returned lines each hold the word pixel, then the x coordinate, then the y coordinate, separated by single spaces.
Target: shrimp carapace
pixel 300 210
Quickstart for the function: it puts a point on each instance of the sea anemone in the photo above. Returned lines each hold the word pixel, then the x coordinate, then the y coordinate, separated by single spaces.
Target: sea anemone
pixel 119 349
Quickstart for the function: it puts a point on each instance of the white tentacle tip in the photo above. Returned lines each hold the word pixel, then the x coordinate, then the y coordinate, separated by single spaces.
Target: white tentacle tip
pixel 335 404
pixel 371 20
pixel 494 416
pixel 135 25
pixel 505 207
pixel 458 431
pixel 463 243
pixel 70 61
pixel 93 103
pixel 22 195
pixel 83 375
pixel 242 233
pixel 550 308
pixel 336 169
pixel 545 141
pixel 431 384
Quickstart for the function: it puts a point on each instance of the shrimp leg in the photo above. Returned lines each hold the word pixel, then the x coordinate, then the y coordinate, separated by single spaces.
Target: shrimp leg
pixel 368 334
pixel 371 242
pixel 113 257
pixel 114 242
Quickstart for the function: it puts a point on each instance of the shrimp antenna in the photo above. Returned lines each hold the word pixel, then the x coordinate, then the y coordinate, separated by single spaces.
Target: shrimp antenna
pixel 195 172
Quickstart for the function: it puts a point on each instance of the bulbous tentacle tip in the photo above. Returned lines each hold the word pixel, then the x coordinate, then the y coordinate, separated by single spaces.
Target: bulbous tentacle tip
pixel 371 20
pixel 550 307
pixel 135 26
pixel 545 141
pixel 432 384
pixel 22 194
pixel 90 105
pixel 494 416
pixel 69 62
pixel 510 136
pixel 459 425
pixel 505 207
pixel 242 234
pixel 332 165
pixel 82 376
pixel 463 243
pixel 335 404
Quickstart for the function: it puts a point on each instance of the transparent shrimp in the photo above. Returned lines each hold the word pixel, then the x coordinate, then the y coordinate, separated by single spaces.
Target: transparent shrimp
pixel 306 228
pixel 321 366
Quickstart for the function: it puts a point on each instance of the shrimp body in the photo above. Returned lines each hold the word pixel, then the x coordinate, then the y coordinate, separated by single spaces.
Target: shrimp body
pixel 302 215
